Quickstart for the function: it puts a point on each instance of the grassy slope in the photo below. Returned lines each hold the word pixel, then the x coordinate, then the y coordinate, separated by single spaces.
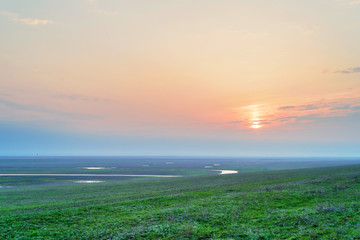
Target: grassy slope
pixel 291 204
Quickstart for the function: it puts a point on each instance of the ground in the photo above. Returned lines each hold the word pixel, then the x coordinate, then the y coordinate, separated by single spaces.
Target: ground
pixel 316 203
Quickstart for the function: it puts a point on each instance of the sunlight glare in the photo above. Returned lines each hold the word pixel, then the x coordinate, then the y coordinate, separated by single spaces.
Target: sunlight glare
pixel 255 125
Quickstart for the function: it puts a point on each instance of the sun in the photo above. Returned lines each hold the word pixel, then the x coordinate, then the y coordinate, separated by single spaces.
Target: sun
pixel 255 125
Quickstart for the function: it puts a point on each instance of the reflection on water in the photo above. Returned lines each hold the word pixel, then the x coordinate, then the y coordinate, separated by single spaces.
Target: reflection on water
pixel 92 168
pixel 226 171
pixel 88 181
pixel 86 175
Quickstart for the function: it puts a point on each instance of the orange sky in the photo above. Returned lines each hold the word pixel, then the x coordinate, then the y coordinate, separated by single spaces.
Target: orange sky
pixel 182 68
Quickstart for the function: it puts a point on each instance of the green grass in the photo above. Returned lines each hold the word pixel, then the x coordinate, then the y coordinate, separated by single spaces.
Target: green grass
pixel 318 203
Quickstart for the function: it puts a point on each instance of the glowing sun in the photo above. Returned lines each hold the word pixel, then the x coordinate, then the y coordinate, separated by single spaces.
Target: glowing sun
pixel 255 125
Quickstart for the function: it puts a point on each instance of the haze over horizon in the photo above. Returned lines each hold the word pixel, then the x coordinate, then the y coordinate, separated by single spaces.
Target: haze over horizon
pixel 230 78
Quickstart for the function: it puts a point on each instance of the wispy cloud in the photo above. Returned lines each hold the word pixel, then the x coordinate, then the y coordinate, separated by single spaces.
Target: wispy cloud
pixel 275 115
pixel 78 97
pixel 304 107
pixel 349 70
pixel 235 122
pixel 307 107
pixel 286 107
pixel 305 29
pixel 342 107
pixel 28 21
pixel 40 109
pixel 4 94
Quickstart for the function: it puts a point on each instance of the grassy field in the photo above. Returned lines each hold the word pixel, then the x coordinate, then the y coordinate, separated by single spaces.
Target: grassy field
pixel 317 203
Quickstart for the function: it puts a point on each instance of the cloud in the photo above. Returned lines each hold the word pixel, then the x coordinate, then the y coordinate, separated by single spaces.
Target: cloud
pixel 304 29
pixel 78 97
pixel 272 115
pixel 349 70
pixel 25 107
pixel 342 107
pixel 308 107
pixel 32 21
pixel 28 21
pixel 305 107
pixel 235 122
pixel 40 109
pixel 5 94
pixel 286 107
pixel 309 117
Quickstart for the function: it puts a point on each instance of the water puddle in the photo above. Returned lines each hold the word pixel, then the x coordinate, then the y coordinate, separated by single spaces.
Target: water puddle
pixel 88 181
pixel 95 168
pixel 87 175
pixel 222 172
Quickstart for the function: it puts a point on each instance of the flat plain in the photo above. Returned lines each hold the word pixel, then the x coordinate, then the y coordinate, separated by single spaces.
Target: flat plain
pixel 310 202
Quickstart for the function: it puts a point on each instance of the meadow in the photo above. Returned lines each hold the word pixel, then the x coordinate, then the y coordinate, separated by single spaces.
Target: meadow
pixel 304 203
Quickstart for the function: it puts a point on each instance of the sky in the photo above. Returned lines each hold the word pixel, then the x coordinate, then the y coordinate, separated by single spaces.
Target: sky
pixel 215 77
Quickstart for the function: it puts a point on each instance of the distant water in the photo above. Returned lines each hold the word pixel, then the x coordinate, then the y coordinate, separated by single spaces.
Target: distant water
pixel 88 181
pixel 82 175
pixel 222 172
pixel 160 165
